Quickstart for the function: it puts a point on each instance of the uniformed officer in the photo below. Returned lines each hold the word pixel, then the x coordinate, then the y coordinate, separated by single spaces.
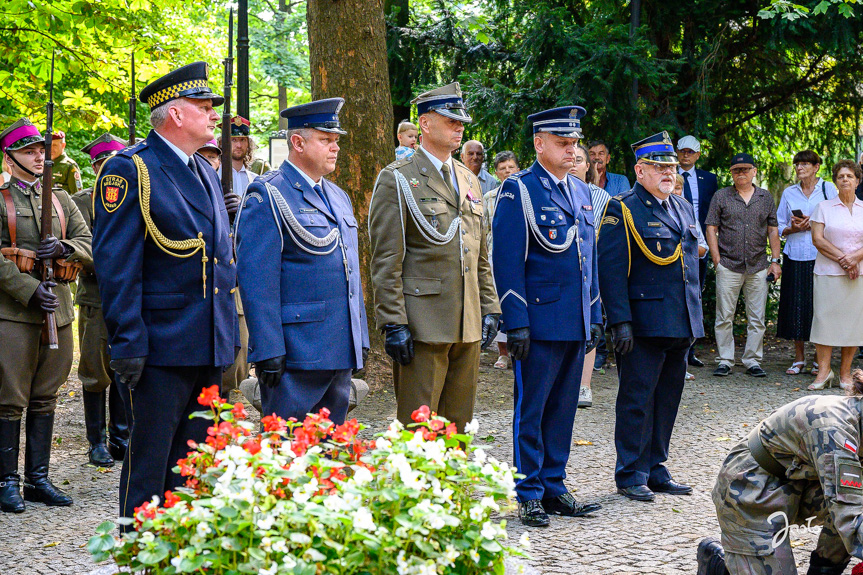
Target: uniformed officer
pixel 800 466
pixel 213 153
pixel 545 270
pixel 31 373
pixel 648 278
pixel 299 273
pixel 66 173
pixel 94 371
pixel 242 151
pixel 434 294
pixel 166 274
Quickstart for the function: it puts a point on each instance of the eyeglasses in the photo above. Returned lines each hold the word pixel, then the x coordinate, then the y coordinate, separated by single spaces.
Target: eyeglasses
pixel 737 171
pixel 802 164
pixel 661 168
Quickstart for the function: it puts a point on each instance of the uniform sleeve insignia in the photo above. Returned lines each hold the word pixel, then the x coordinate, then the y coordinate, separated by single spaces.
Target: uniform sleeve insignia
pixel 545 183
pixel 113 190
pixel 508 195
pixel 850 446
pixel 415 183
pixel 78 182
pixel 850 477
pixel 610 220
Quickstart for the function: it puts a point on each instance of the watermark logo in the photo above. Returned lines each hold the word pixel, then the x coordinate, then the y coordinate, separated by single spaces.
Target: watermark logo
pixel 795 530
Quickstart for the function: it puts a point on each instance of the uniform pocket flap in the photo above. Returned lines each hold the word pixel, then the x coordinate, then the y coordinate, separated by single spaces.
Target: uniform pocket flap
pixel 350 221
pixel 539 294
pixel 646 292
pixel 421 286
pixel 655 232
pixel 312 220
pixel 303 312
pixel 163 301
pixel 849 480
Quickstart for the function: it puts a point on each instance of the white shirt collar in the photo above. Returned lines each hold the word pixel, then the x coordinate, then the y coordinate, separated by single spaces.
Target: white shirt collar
pixel 184 157
pixel 690 171
pixel 311 182
pixel 437 163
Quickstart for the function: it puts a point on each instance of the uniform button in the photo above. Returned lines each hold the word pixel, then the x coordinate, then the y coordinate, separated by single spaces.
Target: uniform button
pixel 466 250
pixel 215 290
pixel 231 235
pixel 463 232
pixel 215 261
pixel 467 269
pixel 350 295
pixel 417 290
pixel 231 262
pixel 233 290
pixel 298 316
pixel 537 300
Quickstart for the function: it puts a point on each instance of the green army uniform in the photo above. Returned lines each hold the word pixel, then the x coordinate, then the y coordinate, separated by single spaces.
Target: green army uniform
pixel 811 445
pixel 441 289
pixel 239 370
pixel 260 167
pixel 67 174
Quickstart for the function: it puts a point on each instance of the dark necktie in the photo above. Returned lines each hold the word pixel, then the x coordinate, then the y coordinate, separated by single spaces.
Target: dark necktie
pixel 194 168
pixel 321 195
pixel 447 179
pixel 687 190
pixel 671 211
pixel 563 190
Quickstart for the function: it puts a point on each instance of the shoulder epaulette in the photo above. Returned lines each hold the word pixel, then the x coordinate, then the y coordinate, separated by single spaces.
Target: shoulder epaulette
pixel 399 163
pixel 520 174
pixel 132 150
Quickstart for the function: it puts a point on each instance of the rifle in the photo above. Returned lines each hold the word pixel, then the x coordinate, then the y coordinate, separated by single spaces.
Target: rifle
pixel 49 327
pixel 132 103
pixel 227 171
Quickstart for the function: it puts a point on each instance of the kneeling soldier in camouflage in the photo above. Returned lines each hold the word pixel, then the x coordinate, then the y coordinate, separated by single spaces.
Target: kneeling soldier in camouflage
pixel 800 466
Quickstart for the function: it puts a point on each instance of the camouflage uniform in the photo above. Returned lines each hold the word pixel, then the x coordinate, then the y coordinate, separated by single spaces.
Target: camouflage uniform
pixel 815 439
pixel 67 174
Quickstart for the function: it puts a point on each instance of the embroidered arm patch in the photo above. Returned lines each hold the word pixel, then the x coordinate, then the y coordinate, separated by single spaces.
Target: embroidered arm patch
pixel 112 191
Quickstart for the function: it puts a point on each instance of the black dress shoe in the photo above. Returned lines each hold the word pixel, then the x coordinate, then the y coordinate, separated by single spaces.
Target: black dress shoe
pixel 694 361
pixel 532 514
pixel 566 505
pixel 722 370
pixel 99 456
pixel 711 557
pixel 637 493
pixel 672 488
pixel 756 371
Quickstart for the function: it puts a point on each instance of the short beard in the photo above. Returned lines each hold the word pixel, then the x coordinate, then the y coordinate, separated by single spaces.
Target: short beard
pixel 666 187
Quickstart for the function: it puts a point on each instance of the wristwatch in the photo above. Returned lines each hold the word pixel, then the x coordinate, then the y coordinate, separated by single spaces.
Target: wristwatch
pixel 777 261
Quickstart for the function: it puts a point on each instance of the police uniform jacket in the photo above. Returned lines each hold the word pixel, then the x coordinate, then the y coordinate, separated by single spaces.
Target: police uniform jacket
pixel 156 304
pixel 88 289
pixel 637 240
pixel 555 294
pixel 440 289
pixel 304 306
pixel 16 288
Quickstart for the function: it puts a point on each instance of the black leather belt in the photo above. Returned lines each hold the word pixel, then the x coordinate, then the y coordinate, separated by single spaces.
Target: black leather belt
pixel 762 456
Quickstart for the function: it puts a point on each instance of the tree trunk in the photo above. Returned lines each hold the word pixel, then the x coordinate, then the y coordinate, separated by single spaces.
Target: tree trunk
pixel 398 16
pixel 348 59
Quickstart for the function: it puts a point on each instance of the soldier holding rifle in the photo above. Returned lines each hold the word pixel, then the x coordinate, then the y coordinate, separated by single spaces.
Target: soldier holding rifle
pixel 31 372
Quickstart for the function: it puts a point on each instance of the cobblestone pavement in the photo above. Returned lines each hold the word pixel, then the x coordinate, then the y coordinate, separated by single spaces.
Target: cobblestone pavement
pixel 623 537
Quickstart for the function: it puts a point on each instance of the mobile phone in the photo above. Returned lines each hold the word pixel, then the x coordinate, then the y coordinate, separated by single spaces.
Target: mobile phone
pixel 797 213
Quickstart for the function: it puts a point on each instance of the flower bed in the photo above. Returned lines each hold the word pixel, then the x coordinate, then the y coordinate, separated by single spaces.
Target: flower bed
pixel 312 498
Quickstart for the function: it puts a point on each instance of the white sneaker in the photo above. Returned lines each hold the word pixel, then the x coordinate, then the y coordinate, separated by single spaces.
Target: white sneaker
pixel 585 397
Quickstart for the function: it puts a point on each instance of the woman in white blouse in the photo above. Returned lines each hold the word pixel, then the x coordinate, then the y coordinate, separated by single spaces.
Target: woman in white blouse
pixel 795 299
pixel 837 232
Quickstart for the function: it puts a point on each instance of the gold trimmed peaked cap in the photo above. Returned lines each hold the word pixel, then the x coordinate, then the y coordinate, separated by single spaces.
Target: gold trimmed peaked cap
pixel 190 81
pixel 656 149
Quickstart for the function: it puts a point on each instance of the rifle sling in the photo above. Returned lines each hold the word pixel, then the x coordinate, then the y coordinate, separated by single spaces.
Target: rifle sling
pixel 11 219
pixel 61 215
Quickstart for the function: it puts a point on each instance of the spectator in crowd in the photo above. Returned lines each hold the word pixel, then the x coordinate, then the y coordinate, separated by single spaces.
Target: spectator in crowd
pixel 212 153
pixel 505 164
pixel 859 194
pixel 702 246
pixel 698 189
pixel 741 221
pixel 473 156
pixel 837 233
pixel 243 149
pixel 583 170
pixel 795 299
pixel 407 136
pixel 612 183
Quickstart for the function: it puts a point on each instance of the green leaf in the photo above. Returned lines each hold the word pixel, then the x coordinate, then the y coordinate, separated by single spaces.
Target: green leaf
pixel 106 527
pixel 152 556
pixel 100 543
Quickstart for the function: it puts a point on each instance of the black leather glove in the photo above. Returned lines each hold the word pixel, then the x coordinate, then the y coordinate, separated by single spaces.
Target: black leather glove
pixel 622 336
pixel 399 344
pixel 129 370
pixel 820 566
pixel 51 249
pixel 270 371
pixel 489 328
pixel 232 204
pixel 44 298
pixel 595 335
pixel 518 343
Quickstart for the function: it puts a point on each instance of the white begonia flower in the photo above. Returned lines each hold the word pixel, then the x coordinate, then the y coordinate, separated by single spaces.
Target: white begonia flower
pixel 524 540
pixel 266 541
pixel 489 503
pixel 300 538
pixel 487 469
pixel 265 522
pixel 471 427
pixel 288 562
pixel 361 475
pixel 435 522
pixel 427 568
pixel 274 568
pixel 280 546
pixel 203 529
pixel 147 537
pixel 434 450
pixel 479 455
pixel 363 519
pixel 382 444
pixel 488 531
pixel 474 555
pixel 334 503
pixel 175 561
pixel 477 513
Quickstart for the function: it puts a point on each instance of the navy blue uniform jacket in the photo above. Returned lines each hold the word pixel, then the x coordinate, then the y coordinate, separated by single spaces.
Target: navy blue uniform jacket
pixel 555 294
pixel 659 300
pixel 155 304
pixel 298 304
